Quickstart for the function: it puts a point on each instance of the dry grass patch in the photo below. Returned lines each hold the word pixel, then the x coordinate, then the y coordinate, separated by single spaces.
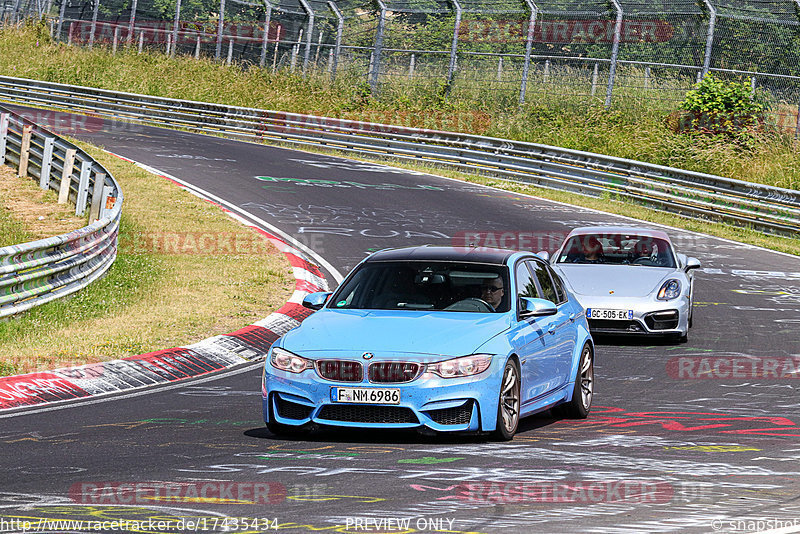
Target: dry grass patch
pixel 155 296
pixel 33 209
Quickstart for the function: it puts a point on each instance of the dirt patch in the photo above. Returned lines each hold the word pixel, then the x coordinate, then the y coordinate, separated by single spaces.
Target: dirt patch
pixel 37 210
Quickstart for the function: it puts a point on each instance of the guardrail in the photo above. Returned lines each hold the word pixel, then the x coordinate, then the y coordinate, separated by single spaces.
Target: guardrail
pixel 690 194
pixel 44 270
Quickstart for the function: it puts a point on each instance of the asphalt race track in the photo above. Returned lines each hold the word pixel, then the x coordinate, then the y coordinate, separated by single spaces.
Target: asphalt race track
pixel 695 437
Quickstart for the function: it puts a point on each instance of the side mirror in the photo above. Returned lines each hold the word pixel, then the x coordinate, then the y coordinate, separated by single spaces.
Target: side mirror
pixel 316 301
pixel 692 263
pixel 544 255
pixel 529 307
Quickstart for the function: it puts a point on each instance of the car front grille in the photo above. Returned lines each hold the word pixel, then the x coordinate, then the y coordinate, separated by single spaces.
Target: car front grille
pixel 340 370
pixel 364 413
pixel 630 327
pixel 292 410
pixel 459 415
pixel 667 320
pixel 394 372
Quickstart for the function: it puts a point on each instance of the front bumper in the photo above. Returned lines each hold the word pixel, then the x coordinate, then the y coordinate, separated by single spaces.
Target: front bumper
pixel 442 405
pixel 649 317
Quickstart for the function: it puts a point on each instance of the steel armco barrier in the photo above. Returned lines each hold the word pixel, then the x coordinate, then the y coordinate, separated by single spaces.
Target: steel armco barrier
pixel 695 195
pixel 44 270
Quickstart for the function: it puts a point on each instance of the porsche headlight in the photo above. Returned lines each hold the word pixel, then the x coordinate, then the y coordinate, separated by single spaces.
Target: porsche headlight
pixel 460 367
pixel 670 290
pixel 287 361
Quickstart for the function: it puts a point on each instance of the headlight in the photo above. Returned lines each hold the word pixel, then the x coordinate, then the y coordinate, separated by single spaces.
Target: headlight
pixel 286 361
pixel 670 290
pixel 458 367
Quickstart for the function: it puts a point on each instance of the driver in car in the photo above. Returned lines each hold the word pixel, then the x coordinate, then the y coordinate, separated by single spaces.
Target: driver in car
pixel 492 292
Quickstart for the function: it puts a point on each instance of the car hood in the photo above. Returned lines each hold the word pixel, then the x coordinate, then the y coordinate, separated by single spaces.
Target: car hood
pixel 623 280
pixel 382 332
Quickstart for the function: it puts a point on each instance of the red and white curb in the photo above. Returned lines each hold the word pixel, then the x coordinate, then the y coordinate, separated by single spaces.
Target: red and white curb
pixel 208 356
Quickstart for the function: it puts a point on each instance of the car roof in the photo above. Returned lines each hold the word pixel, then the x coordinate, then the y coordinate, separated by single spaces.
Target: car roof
pixel 439 253
pixel 644 232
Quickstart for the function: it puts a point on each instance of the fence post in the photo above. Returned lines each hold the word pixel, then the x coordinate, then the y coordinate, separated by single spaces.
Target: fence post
pixel 411 66
pixel 169 44
pixel 534 11
pixel 97 196
pixel 546 71
pixel 175 26
pixel 647 77
pixel 61 13
pixel 265 40
pixel 197 49
pixel 295 51
pixel 83 188
pixel 309 34
pixel 712 21
pixel 500 69
pixel 116 41
pixel 25 151
pixel 47 163
pixel 66 176
pixel 94 23
pixel 595 76
pixel 612 71
pixel 141 41
pixel 376 55
pixel 451 69
pixel 339 30
pixel 131 22
pixel 230 52
pixel 275 51
pixel 220 28
pixel 3 136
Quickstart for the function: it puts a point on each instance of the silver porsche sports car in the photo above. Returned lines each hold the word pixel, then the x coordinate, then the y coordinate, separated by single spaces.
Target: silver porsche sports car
pixel 629 280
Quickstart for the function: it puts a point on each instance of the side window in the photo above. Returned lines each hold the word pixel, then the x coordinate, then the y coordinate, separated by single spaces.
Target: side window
pixel 526 285
pixel 548 290
pixel 558 284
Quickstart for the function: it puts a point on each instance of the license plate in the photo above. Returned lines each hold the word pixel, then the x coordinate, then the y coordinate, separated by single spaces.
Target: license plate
pixel 366 395
pixel 612 315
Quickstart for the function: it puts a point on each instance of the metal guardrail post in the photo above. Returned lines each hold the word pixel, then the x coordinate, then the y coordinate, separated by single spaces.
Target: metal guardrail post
pixel 375 70
pixel 309 34
pixel 83 188
pixel 66 176
pixel 175 27
pixel 47 163
pixel 712 21
pixel 131 22
pixel 3 137
pixel 25 151
pixel 612 71
pixel 339 31
pixel 265 40
pixel 97 192
pixel 451 69
pixel 534 11
pixel 220 29
pixel 95 11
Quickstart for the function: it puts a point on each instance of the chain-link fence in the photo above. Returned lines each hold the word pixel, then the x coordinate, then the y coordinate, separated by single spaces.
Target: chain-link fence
pixel 620 52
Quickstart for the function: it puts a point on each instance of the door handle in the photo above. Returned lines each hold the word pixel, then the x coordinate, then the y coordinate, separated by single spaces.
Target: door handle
pixel 572 317
pixel 552 329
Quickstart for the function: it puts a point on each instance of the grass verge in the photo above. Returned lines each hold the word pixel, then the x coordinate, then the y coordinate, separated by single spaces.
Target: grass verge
pixel 185 271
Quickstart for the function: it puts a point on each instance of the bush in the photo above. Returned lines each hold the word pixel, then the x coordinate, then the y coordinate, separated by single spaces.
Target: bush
pixel 719 107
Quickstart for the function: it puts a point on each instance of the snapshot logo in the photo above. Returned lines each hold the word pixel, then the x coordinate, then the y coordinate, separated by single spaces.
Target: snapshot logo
pixel 565 31
pixel 216 492
pixel 580 491
pixel 728 367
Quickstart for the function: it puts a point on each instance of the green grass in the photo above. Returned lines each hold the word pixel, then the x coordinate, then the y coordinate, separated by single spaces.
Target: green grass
pixel 559 111
pixel 12 231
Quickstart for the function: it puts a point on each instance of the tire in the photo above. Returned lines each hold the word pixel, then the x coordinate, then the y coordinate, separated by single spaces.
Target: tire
pixel 277 428
pixel 508 403
pixel 583 392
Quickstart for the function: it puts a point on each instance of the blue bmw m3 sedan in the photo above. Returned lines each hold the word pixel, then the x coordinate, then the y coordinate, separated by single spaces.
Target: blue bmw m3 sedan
pixel 438 338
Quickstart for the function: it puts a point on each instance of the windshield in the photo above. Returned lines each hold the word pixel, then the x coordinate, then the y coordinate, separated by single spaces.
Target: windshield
pixel 443 286
pixel 617 249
